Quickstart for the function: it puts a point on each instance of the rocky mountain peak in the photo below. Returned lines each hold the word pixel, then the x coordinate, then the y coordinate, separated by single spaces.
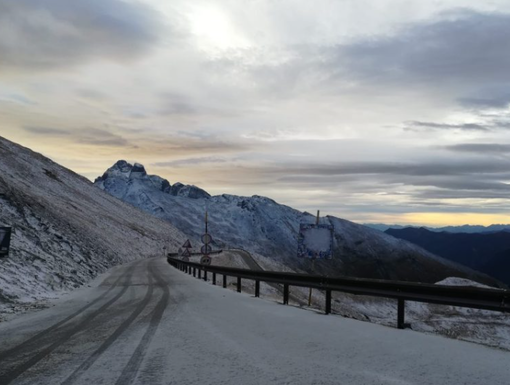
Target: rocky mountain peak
pixel 117 178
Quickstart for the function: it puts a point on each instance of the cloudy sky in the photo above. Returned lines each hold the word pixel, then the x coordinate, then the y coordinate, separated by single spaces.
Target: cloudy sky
pixel 392 111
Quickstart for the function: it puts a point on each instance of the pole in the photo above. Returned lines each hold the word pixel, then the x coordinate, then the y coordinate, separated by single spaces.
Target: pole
pixel 313 263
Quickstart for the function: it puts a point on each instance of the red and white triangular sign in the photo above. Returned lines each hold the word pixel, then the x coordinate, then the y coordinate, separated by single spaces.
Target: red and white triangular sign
pixel 186 253
pixel 187 244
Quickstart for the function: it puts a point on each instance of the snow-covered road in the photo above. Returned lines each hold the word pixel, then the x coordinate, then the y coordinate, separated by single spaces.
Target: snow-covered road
pixel 147 323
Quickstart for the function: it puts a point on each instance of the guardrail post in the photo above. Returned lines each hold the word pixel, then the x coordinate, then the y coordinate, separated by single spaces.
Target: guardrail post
pixel 214 278
pixel 286 294
pixel 205 275
pixel 257 288
pixel 328 301
pixel 224 281
pixel 238 284
pixel 199 273
pixel 401 313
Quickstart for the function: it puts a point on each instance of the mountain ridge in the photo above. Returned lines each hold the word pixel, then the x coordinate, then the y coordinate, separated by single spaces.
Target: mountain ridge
pixel 268 229
pixel 451 229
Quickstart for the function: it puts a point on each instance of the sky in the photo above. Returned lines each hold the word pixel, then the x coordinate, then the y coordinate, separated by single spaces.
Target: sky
pixel 393 111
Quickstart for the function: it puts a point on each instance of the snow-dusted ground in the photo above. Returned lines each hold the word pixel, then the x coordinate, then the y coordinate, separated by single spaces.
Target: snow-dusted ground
pixel 480 326
pixel 148 323
pixel 66 231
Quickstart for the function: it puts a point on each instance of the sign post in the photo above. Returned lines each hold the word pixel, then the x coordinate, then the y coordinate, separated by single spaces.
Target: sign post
pixel 206 248
pixel 186 253
pixel 5 241
pixel 313 263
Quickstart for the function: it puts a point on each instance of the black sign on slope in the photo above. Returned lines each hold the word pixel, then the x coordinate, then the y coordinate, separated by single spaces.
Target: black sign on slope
pixel 206 249
pixel 187 244
pixel 5 241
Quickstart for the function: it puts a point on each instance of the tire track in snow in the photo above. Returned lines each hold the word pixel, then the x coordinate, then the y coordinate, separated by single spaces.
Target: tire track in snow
pixel 113 337
pixel 131 369
pixel 44 333
pixel 10 375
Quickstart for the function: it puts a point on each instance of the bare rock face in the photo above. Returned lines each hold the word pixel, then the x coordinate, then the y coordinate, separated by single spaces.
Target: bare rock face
pixel 122 174
pixel 263 227
pixel 66 231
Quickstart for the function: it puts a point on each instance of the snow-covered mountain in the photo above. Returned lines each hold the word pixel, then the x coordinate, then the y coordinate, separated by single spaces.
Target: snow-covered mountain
pixel 65 230
pixel 268 229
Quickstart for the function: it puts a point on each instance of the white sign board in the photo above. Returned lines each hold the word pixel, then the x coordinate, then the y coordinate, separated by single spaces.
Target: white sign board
pixel 315 241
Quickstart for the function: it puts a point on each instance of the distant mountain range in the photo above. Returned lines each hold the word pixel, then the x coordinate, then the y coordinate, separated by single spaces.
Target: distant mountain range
pixel 487 252
pixel 270 230
pixel 450 229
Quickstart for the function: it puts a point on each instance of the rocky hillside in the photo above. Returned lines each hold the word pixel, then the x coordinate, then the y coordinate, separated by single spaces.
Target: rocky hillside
pixel 66 231
pixel 268 229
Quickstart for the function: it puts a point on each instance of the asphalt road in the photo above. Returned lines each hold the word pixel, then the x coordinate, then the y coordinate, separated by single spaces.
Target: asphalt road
pixel 147 323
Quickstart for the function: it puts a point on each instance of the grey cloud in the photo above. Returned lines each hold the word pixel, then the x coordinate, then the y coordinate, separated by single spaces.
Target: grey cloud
pixel 417 126
pixel 99 137
pixel 494 97
pixel 467 47
pixel 487 102
pixel 46 131
pixel 411 182
pixel 430 194
pixel 92 136
pixel 481 148
pixel 456 184
pixel 459 53
pixel 410 169
pixel 92 94
pixel 192 161
pixel 46 34
pixel 18 99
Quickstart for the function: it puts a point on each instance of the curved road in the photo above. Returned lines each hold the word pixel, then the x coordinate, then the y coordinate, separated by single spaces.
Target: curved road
pixel 147 323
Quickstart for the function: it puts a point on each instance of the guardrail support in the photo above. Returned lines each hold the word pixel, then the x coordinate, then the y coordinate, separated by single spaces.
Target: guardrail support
pixel 328 301
pixel 224 281
pixel 257 288
pixel 286 294
pixel 238 284
pixel 199 273
pixel 194 272
pixel 214 278
pixel 401 313
pixel 205 275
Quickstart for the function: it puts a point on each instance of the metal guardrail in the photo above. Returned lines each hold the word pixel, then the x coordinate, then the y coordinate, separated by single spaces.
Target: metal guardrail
pixel 462 296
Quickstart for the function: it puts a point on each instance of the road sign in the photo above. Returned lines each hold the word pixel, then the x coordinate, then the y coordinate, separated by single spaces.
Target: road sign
pixel 315 241
pixel 187 244
pixel 206 238
pixel 5 241
pixel 206 249
pixel 186 253
pixel 179 252
pixel 205 260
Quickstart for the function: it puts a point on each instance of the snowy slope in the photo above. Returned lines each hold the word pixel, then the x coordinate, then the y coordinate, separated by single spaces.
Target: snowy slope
pixel 65 230
pixel 266 228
